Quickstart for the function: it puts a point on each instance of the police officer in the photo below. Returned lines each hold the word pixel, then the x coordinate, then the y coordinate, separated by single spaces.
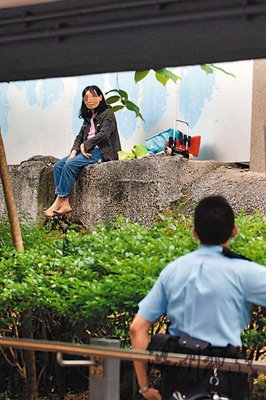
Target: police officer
pixel 206 294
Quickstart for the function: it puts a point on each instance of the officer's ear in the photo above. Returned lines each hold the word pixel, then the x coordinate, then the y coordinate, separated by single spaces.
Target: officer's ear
pixel 234 231
pixel 195 235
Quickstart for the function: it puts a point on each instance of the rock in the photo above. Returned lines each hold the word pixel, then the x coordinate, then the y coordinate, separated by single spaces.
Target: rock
pixel 245 190
pixel 137 189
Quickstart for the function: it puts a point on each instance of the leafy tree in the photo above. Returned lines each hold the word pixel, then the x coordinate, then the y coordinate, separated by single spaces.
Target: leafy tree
pixel 120 98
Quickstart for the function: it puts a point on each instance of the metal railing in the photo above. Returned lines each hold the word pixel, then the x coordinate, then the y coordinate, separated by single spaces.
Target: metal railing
pixel 226 364
pixel 104 373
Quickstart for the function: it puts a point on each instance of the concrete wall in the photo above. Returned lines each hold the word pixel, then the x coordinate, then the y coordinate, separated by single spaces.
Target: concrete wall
pixel 25 180
pixel 41 116
pixel 137 189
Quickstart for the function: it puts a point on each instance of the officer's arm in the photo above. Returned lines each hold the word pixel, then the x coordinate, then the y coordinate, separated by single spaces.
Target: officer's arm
pixel 139 333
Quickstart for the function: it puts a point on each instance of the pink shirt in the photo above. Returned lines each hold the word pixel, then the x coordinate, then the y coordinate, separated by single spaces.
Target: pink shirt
pixel 92 130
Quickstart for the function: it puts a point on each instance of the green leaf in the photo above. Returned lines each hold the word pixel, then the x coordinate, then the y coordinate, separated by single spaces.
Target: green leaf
pixel 115 109
pixel 123 94
pixel 207 68
pixel 223 70
pixel 166 73
pixel 113 99
pixel 139 75
pixel 112 90
pixel 161 78
pixel 172 76
pixel 132 107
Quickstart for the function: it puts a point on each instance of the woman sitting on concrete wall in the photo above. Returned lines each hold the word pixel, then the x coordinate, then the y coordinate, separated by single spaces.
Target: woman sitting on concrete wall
pixel 98 140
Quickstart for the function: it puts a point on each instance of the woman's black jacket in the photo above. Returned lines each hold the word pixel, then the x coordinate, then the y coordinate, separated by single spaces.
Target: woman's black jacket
pixel 106 136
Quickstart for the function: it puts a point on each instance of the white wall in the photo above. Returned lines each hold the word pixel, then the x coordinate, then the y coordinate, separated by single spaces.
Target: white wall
pixel 41 116
pixel 225 117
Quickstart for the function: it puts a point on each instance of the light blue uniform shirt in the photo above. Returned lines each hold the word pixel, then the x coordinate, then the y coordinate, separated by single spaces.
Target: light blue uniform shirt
pixel 207 295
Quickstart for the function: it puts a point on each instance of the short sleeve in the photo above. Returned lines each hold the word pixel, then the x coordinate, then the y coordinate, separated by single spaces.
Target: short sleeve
pixel 155 303
pixel 256 284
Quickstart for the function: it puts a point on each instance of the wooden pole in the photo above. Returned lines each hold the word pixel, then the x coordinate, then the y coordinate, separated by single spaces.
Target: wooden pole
pixel 9 198
pixel 26 326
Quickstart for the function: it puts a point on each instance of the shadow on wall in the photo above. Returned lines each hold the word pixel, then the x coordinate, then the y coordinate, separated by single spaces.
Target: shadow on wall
pixel 207 152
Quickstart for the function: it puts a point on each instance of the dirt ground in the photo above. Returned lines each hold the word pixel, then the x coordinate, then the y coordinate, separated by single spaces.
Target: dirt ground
pixel 79 396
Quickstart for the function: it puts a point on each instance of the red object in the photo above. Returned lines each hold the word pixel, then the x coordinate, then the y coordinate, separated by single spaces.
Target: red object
pixel 193 148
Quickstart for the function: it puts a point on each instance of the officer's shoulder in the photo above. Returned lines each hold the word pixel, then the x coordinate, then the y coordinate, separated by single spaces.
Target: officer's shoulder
pixel 180 260
pixel 233 255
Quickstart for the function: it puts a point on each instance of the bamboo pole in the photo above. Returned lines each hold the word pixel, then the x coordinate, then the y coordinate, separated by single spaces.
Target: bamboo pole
pixel 9 198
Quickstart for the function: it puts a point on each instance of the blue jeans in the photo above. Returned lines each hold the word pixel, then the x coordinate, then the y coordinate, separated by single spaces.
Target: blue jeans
pixel 66 172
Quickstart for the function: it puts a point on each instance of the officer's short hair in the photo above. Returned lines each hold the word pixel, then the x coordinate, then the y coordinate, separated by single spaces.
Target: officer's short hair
pixel 213 220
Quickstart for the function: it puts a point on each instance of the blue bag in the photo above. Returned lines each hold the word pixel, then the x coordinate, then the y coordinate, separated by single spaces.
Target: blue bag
pixel 156 143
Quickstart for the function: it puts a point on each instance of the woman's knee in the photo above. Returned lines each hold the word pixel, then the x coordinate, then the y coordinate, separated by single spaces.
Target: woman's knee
pixel 59 163
pixel 70 167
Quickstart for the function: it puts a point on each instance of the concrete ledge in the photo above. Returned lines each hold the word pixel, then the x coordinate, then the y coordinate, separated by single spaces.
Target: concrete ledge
pixel 137 189
pixel 25 179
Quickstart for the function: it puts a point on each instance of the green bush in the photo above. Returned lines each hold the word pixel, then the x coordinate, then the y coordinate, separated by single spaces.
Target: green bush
pixel 259 388
pixel 82 283
pixel 95 280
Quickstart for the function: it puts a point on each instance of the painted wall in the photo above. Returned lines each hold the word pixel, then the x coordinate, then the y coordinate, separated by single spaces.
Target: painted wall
pixel 41 117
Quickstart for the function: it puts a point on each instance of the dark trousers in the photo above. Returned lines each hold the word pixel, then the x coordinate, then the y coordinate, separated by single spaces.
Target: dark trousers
pixel 195 382
pixel 192 382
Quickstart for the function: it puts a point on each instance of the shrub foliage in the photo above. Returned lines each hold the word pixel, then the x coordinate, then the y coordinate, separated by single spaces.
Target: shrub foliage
pixel 77 283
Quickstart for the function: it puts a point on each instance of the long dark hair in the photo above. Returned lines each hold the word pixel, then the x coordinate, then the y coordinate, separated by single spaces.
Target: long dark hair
pixel 84 112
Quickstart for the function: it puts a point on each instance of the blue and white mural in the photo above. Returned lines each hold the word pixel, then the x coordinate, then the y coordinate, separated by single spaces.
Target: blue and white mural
pixel 196 89
pixel 41 116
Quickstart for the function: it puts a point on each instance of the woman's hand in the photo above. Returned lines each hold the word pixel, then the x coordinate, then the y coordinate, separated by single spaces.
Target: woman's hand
pixel 83 151
pixel 72 155
pixel 152 394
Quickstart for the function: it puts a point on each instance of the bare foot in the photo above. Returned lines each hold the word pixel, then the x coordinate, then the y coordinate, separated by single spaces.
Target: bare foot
pixel 59 202
pixel 63 210
pixel 50 212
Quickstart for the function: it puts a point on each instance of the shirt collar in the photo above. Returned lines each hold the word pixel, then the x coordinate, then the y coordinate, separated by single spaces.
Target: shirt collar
pixel 209 248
